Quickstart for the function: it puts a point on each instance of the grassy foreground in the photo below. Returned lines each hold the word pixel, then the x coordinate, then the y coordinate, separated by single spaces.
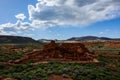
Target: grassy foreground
pixel 108 69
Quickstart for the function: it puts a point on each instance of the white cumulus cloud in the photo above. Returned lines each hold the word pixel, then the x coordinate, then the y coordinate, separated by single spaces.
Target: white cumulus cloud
pixel 73 12
pixel 20 16
pixel 51 13
pixel 18 27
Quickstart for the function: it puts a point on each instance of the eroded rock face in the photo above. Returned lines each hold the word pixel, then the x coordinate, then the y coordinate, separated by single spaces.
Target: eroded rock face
pixel 61 51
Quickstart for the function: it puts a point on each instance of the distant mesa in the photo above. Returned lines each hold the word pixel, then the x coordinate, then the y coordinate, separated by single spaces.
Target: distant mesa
pixel 91 38
pixel 20 39
pixel 81 39
pixel 15 39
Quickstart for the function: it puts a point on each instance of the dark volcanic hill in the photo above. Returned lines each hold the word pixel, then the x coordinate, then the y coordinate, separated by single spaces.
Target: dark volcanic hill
pixel 87 38
pixel 15 39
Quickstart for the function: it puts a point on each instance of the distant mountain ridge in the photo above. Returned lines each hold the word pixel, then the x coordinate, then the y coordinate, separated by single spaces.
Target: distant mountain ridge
pixel 87 38
pixel 20 39
pixel 15 39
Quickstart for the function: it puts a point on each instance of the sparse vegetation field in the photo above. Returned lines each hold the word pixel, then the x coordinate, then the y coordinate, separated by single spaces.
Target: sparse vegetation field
pixel 107 69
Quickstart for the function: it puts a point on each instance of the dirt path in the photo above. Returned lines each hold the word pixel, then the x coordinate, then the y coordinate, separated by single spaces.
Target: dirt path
pixel 59 77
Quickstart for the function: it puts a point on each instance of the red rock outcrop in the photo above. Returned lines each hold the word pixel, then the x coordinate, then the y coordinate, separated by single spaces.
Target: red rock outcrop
pixel 62 51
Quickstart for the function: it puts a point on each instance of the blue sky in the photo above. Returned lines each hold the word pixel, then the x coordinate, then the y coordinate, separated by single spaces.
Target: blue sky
pixel 60 19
